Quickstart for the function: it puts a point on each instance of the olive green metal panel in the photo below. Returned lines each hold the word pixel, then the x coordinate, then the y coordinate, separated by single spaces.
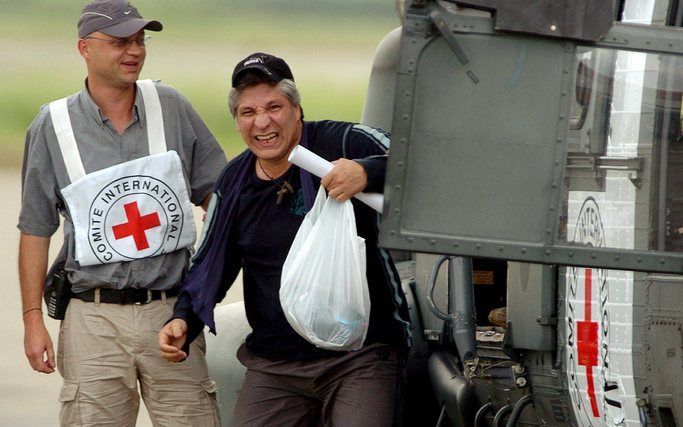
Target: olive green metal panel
pixel 468 144
pixel 481 163
pixel 477 148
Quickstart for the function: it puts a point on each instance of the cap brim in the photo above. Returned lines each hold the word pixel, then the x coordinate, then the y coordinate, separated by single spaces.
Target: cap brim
pixel 130 27
pixel 256 67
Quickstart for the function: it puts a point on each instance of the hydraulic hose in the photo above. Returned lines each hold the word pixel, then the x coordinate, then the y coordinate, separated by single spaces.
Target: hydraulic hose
pixel 502 412
pixel 517 410
pixel 481 413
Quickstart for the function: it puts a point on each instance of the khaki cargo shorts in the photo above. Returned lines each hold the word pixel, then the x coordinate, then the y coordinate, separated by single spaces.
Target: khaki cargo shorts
pixel 108 355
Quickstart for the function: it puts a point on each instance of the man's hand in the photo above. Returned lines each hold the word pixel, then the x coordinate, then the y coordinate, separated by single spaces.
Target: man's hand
pixel 38 344
pixel 171 339
pixel 345 180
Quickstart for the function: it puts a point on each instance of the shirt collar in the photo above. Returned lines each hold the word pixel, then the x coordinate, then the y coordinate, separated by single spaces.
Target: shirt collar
pixel 93 110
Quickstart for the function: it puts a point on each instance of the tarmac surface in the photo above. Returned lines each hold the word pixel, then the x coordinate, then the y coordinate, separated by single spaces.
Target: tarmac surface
pixel 28 398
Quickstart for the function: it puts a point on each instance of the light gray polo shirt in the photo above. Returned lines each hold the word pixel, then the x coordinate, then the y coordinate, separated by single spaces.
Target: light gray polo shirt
pixel 100 146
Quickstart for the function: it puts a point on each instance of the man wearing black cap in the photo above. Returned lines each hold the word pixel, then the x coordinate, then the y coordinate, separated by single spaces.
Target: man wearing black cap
pixel 122 161
pixel 259 203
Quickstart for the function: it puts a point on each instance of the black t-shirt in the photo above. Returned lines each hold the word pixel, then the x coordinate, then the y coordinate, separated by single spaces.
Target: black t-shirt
pixel 264 231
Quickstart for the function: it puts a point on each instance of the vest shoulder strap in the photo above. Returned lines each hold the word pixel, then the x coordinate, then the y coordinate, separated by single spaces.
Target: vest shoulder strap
pixel 155 119
pixel 67 142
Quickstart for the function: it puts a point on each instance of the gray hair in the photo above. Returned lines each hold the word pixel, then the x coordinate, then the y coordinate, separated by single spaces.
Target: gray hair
pixel 286 87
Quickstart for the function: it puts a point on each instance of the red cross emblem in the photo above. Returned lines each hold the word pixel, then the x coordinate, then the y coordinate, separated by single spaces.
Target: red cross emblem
pixel 587 337
pixel 136 225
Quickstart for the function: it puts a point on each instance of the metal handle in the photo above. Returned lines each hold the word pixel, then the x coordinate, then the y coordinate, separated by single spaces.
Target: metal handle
pixel 447 34
pixel 430 293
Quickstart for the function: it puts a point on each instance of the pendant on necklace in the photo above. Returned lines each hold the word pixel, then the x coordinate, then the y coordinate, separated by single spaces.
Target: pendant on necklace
pixel 285 188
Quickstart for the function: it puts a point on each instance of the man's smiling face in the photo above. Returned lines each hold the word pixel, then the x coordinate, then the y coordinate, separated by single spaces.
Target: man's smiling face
pixel 268 122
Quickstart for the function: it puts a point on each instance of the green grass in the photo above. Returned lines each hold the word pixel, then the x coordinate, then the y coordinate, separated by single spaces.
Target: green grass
pixel 328 43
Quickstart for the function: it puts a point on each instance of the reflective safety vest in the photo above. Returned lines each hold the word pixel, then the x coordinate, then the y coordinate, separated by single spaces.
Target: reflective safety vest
pixel 133 210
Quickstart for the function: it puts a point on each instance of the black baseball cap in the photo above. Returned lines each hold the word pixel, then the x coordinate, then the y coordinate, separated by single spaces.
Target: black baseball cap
pixel 116 18
pixel 272 67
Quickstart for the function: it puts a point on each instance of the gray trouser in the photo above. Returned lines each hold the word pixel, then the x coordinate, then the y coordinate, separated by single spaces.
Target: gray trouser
pixel 362 388
pixel 106 350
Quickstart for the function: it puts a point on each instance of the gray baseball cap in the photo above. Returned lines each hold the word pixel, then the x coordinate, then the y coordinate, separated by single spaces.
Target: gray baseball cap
pixel 117 18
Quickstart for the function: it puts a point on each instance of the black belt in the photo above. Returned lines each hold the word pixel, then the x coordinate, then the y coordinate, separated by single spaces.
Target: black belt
pixel 125 296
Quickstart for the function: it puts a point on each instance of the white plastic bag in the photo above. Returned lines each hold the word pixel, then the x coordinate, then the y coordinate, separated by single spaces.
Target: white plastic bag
pixel 324 289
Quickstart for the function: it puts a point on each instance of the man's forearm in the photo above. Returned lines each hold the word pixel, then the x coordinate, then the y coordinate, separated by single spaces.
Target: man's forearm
pixel 32 269
pixel 33 252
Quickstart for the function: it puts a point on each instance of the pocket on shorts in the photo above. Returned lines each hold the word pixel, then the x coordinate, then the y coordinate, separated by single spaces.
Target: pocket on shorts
pixel 68 398
pixel 210 386
pixel 213 411
pixel 210 389
pixel 69 391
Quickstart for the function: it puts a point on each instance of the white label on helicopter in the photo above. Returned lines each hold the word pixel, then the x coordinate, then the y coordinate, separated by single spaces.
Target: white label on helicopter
pixel 599 319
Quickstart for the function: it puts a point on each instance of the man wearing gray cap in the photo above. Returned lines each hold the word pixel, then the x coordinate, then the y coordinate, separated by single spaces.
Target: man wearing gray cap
pixel 122 161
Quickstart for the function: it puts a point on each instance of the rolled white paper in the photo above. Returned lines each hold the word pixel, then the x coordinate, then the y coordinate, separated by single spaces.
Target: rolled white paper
pixel 308 160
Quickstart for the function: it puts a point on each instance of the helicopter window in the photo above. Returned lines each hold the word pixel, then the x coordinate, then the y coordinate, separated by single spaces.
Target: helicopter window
pixel 626 114
pixel 669 142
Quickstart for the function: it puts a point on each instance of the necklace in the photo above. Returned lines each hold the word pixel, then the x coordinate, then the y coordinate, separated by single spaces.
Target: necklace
pixel 285 186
